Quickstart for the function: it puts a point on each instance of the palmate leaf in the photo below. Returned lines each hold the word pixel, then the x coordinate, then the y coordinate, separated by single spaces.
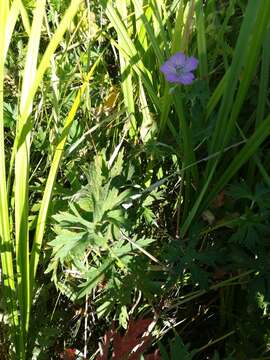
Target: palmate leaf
pixel 178 350
pixel 117 217
pixel 110 198
pixel 182 259
pixel 103 193
pixel 93 277
pixel 67 220
pixel 122 278
pixel 199 276
pixel 98 222
pixel 246 236
pixel 117 292
pixel 67 290
pixel 260 196
pixel 120 249
pixel 240 191
pixel 118 165
pixel 69 243
pixel 251 233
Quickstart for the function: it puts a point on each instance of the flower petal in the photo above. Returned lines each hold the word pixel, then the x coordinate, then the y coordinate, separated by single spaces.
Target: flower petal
pixel 178 59
pixel 173 78
pixel 191 64
pixel 186 78
pixel 167 68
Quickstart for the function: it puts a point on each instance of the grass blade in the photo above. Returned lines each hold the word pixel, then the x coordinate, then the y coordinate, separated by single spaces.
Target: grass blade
pixel 8 282
pixel 126 74
pixel 201 39
pixel 22 165
pixel 241 158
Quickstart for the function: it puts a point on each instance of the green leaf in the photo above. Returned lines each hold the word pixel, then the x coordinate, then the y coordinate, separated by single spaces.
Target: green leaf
pixel 93 277
pixel 178 350
pixel 67 243
pixel 123 317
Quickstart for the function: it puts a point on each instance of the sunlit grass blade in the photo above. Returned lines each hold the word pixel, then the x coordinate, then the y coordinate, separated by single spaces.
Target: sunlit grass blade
pixel 188 28
pixel 21 156
pixel 147 121
pixel 126 74
pixel 22 165
pixel 148 126
pixel 12 18
pixel 55 84
pixel 130 52
pixel 149 30
pixel 44 63
pixel 25 18
pixel 8 283
pixel 159 29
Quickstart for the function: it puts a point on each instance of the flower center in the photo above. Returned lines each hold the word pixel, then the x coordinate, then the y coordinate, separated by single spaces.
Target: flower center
pixel 179 69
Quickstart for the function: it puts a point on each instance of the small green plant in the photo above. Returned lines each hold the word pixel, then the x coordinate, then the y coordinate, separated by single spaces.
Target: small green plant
pixel 178 350
pixel 95 244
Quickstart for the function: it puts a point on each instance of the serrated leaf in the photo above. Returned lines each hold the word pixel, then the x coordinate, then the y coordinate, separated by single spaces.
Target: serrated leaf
pixel 93 277
pixel 67 290
pixel 178 350
pixel 240 191
pixel 123 317
pixel 65 243
pixel 199 276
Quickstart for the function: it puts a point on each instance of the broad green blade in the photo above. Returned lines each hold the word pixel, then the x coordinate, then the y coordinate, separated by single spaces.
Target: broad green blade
pixel 22 165
pixel 8 283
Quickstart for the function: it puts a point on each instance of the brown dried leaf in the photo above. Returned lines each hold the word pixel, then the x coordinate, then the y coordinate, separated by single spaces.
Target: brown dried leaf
pixel 69 354
pixel 219 200
pixel 131 345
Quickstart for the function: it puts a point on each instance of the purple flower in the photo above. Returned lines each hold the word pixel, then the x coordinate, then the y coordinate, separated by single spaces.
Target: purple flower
pixel 178 68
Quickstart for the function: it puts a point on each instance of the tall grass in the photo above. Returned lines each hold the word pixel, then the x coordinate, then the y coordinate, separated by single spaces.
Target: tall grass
pixel 227 99
pixel 5 236
pixel 246 56
pixel 18 280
